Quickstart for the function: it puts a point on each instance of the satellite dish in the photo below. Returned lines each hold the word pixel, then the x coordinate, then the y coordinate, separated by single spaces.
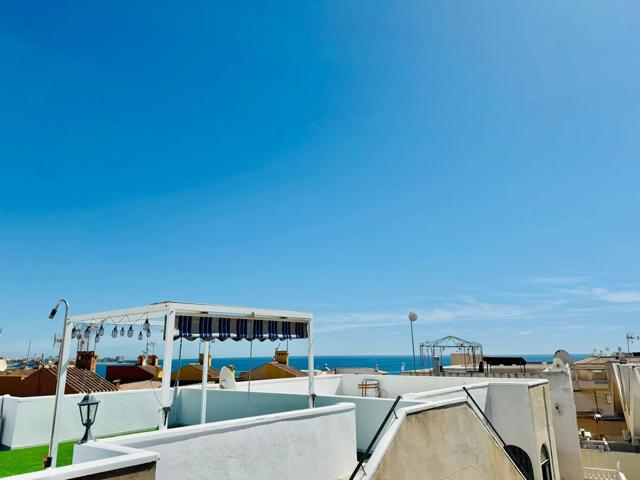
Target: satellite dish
pixel 564 356
pixel 227 379
pixel 3 364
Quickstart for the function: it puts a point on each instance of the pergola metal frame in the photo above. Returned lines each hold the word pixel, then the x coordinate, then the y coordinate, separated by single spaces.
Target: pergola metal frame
pixel 164 314
pixel 470 350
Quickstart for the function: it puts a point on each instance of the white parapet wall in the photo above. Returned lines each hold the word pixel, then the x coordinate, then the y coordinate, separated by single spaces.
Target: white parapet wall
pixel 109 462
pixel 312 444
pixel 27 421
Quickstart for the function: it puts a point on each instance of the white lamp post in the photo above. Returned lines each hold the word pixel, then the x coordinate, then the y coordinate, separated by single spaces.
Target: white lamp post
pixel 413 316
pixel 63 364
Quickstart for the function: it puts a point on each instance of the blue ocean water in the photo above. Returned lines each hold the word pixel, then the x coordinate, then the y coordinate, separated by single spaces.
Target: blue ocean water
pixel 388 363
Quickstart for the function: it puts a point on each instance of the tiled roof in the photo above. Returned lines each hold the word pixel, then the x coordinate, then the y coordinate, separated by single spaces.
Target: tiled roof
pixel 85 381
pixel 143 385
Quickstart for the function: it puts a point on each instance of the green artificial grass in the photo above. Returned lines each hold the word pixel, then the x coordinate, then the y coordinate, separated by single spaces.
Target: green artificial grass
pixel 25 460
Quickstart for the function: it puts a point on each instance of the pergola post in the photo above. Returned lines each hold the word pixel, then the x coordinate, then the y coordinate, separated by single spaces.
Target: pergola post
pixel 167 359
pixel 205 380
pixel 311 367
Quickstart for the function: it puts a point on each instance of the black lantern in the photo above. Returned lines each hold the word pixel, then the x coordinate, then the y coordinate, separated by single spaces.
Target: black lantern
pixel 97 339
pixel 140 335
pixel 122 331
pixel 114 332
pixel 130 331
pixel 87 332
pixel 101 331
pixel 88 408
pixel 146 325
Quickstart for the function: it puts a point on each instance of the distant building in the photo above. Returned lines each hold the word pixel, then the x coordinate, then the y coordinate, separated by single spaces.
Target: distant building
pixel 192 373
pixel 42 381
pixel 146 368
pixel 278 368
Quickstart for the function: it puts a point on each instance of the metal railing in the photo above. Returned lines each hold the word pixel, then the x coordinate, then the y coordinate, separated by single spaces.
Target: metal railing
pixel 602 474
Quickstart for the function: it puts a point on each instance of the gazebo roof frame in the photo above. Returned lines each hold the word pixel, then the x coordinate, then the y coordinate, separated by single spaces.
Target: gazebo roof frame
pixel 156 312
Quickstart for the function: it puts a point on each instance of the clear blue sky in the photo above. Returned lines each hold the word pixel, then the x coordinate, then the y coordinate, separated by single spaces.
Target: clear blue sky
pixel 474 161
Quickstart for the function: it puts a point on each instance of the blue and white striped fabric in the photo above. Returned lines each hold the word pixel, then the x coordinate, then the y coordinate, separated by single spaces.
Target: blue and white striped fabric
pixel 208 328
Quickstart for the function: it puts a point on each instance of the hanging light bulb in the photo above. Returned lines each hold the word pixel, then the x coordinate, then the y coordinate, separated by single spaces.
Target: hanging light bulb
pixel 101 331
pixel 114 332
pixel 87 332
pixel 148 333
pixel 79 335
pixel 74 330
pixel 140 335
pixel 146 325
pixel 130 331
pixel 97 339
pixel 122 332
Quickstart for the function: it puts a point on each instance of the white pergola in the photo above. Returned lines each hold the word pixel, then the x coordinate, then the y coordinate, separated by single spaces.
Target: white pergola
pixel 206 322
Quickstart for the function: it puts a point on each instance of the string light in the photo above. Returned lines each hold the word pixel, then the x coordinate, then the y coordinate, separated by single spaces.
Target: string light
pixel 101 331
pixel 130 331
pixel 146 325
pixel 114 332
pixel 122 332
pixel 140 335
pixel 97 339
pixel 87 332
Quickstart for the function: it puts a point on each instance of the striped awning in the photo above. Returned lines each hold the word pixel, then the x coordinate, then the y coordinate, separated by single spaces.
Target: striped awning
pixel 209 328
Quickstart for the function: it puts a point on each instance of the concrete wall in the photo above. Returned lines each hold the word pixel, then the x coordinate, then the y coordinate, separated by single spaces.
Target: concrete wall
pixel 563 414
pixel 445 443
pixel 114 463
pixel 393 385
pixel 27 421
pixel 519 414
pixel 228 404
pixel 316 444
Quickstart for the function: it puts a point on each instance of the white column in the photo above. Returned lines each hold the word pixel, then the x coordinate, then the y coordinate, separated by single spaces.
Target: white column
pixel 61 383
pixel 311 365
pixel 205 379
pixel 169 329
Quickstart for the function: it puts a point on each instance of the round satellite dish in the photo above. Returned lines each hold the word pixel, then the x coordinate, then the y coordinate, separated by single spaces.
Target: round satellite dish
pixel 227 379
pixel 564 356
pixel 3 364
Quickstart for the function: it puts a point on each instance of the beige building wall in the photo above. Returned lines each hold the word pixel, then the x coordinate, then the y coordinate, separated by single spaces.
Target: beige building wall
pixel 449 443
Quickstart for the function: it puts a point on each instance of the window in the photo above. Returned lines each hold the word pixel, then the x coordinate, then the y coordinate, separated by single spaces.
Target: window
pixel 522 460
pixel 545 464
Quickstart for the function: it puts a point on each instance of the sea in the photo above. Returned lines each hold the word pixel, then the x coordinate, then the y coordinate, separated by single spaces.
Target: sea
pixel 393 364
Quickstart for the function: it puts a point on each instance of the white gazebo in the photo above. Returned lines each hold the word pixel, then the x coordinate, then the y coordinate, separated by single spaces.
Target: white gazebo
pixel 193 321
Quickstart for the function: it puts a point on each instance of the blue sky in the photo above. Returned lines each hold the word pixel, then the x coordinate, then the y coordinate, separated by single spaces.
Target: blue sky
pixel 474 161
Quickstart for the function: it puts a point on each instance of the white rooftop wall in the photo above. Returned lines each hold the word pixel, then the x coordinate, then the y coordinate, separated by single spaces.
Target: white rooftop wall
pixel 317 444
pixel 27 421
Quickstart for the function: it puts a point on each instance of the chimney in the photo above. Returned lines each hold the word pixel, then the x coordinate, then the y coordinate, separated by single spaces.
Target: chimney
pixel 281 356
pixel 142 360
pixel 87 360
pixel 201 357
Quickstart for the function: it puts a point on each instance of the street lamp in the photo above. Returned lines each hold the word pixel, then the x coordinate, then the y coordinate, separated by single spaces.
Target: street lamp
pixel 61 381
pixel 88 408
pixel 413 316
